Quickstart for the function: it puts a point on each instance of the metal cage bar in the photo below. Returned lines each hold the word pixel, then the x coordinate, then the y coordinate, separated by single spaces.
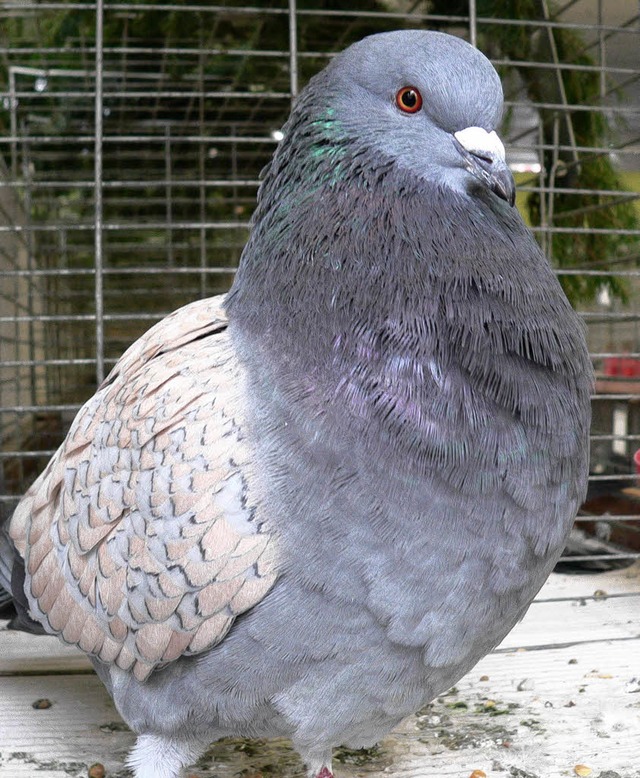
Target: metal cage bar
pixel 130 154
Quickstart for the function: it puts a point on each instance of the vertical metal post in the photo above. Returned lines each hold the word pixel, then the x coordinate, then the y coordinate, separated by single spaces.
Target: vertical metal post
pixel 552 178
pixel 202 173
pixel 57 335
pixel 234 167
pixel 602 54
pixel 168 193
pixel 473 23
pixel 28 226
pixel 13 108
pixel 99 268
pixel 18 235
pixel 293 48
pixel 542 183
pixel 560 80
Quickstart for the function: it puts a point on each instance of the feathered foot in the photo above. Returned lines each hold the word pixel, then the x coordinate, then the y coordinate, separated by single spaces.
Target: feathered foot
pixel 154 756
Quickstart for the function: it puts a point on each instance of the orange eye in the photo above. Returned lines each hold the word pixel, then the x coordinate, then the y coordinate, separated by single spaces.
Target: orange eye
pixel 409 99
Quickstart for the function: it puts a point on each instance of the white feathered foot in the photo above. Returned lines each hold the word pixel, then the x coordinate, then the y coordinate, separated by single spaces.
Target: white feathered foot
pixel 154 756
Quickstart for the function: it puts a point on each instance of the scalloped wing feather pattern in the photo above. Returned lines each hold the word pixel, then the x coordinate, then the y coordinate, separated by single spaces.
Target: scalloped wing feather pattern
pixel 142 538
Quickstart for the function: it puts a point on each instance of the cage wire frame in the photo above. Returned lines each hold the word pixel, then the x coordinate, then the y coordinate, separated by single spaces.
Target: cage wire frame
pixel 128 171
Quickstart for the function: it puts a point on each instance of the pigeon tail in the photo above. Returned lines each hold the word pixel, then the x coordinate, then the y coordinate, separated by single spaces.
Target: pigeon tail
pixel 12 587
pixel 6 558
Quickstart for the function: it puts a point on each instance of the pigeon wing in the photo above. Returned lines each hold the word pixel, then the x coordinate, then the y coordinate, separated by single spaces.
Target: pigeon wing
pixel 142 539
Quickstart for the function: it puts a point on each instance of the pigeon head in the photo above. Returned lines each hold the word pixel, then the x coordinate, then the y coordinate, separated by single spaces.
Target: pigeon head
pixel 427 100
pixel 387 199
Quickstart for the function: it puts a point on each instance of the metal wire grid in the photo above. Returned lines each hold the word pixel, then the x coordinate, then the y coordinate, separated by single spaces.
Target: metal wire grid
pixel 133 134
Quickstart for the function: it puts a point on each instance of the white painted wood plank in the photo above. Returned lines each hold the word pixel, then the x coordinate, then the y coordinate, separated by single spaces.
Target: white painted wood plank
pixel 585 585
pixel 559 623
pixel 21 652
pixel 63 740
pixel 581 619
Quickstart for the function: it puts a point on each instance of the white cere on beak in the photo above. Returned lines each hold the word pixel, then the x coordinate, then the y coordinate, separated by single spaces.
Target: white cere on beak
pixel 476 141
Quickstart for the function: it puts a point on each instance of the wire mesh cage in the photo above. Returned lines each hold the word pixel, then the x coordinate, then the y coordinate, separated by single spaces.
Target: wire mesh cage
pixel 132 139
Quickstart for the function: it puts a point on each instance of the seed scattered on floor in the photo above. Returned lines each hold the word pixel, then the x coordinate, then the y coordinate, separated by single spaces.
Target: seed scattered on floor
pixel 600 594
pixel 582 770
pixel 114 726
pixel 97 770
pixel 484 677
pixel 598 674
pixel 41 704
pixel 632 686
pixel 478 774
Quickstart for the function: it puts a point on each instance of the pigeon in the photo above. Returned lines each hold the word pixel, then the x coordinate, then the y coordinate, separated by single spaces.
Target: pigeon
pixel 308 507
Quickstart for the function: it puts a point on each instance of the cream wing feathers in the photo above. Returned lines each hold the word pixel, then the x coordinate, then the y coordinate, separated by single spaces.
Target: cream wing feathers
pixel 142 539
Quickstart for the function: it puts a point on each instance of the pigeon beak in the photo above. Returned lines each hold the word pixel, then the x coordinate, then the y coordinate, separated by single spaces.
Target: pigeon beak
pixel 484 158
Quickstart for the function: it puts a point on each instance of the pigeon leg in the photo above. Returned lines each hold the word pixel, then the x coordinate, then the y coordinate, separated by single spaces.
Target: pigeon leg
pixel 319 769
pixel 154 756
pixel 318 762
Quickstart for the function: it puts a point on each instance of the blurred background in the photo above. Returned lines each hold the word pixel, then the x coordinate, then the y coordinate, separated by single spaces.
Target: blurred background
pixel 132 136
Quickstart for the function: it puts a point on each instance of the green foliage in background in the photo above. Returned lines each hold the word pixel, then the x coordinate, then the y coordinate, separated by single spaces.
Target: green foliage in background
pixel 581 214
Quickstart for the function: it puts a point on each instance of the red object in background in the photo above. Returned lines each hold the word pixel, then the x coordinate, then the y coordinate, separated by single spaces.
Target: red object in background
pixel 636 461
pixel 627 367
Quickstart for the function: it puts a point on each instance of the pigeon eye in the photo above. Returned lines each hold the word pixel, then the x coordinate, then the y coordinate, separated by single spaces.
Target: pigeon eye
pixel 409 99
